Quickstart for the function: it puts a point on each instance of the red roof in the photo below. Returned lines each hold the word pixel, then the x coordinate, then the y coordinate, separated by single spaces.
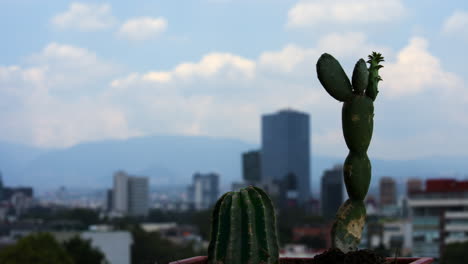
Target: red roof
pixel 446 185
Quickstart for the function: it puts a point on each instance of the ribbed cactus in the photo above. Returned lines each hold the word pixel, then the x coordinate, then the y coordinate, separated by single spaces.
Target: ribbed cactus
pixel 243 229
pixel 357 121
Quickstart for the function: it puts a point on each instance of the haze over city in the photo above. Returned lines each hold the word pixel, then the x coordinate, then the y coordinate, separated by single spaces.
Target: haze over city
pixel 74 72
pixel 123 122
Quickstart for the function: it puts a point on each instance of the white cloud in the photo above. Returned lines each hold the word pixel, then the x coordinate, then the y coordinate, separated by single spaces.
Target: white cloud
pixel 457 23
pixel 287 59
pixel 224 95
pixel 85 17
pixel 310 13
pixel 357 45
pixel 68 66
pixel 293 59
pixel 416 70
pixel 45 104
pixel 142 28
pixel 212 65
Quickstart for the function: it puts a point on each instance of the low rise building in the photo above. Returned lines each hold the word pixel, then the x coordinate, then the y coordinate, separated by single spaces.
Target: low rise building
pixel 441 201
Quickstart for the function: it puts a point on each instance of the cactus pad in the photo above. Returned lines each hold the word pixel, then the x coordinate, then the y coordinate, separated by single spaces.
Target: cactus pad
pixel 347 228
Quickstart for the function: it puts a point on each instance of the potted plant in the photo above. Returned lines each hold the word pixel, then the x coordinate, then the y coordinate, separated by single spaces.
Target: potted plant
pixel 243 222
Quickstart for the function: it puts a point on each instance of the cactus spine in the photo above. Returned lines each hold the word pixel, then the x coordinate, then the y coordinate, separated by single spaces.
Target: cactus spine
pixel 357 122
pixel 243 229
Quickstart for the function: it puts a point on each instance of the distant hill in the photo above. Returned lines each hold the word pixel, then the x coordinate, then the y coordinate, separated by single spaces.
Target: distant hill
pixel 172 160
pixel 166 159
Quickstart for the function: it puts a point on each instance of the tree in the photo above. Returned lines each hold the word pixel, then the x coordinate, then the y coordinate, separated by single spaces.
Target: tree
pixel 81 251
pixel 455 253
pixel 86 216
pixel 150 247
pixel 39 248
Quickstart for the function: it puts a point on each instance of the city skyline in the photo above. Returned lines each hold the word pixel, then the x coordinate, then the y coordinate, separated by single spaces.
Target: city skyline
pixel 97 71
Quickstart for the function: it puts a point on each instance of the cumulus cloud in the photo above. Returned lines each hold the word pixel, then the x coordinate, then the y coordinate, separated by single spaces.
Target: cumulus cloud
pixel 416 70
pixel 211 65
pixel 39 112
pixel 85 17
pixel 287 59
pixel 225 94
pixel 457 23
pixel 142 28
pixel 293 59
pixel 317 12
pixel 67 66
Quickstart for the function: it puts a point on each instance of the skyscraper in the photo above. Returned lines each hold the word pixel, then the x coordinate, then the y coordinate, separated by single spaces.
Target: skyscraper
pixel 120 192
pixel 331 191
pixel 130 194
pixel 286 151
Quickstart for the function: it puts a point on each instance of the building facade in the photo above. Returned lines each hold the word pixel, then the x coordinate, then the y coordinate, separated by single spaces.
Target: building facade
pixel 387 189
pixel 130 195
pixel 251 168
pixel 413 185
pixel 138 195
pixel 331 191
pixel 436 213
pixel 286 151
pixel 204 191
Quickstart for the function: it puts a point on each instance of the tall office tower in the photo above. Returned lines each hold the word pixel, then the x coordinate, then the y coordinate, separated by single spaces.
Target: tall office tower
pixel 120 194
pixel 332 191
pixel 204 190
pixel 286 151
pixel 387 189
pixel 251 167
pixel 413 185
pixel 138 194
pixel 130 194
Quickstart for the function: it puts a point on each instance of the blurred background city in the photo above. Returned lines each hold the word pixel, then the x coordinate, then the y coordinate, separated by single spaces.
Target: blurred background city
pixel 122 123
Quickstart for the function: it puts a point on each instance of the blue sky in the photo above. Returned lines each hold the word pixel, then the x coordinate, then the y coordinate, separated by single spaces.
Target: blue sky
pixel 73 72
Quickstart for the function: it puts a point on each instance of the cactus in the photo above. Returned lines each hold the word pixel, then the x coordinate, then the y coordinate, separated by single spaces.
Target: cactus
pixel 243 229
pixel 357 122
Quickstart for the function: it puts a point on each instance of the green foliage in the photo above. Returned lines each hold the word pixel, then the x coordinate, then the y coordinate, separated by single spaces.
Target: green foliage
pixel 374 77
pixel 288 218
pixel 455 253
pixel 40 248
pixel 85 216
pixel 150 247
pixel 358 123
pixel 244 229
pixel 81 251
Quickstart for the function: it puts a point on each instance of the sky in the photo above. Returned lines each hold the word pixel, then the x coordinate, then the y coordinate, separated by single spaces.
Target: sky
pixel 73 72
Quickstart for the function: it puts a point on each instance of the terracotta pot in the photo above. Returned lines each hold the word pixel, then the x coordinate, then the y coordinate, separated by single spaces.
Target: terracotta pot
pixel 204 260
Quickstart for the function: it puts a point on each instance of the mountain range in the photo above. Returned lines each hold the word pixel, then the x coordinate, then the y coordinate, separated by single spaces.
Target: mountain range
pixel 172 160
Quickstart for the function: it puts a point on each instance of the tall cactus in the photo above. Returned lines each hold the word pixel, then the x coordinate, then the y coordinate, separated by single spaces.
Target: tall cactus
pixel 244 229
pixel 357 122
